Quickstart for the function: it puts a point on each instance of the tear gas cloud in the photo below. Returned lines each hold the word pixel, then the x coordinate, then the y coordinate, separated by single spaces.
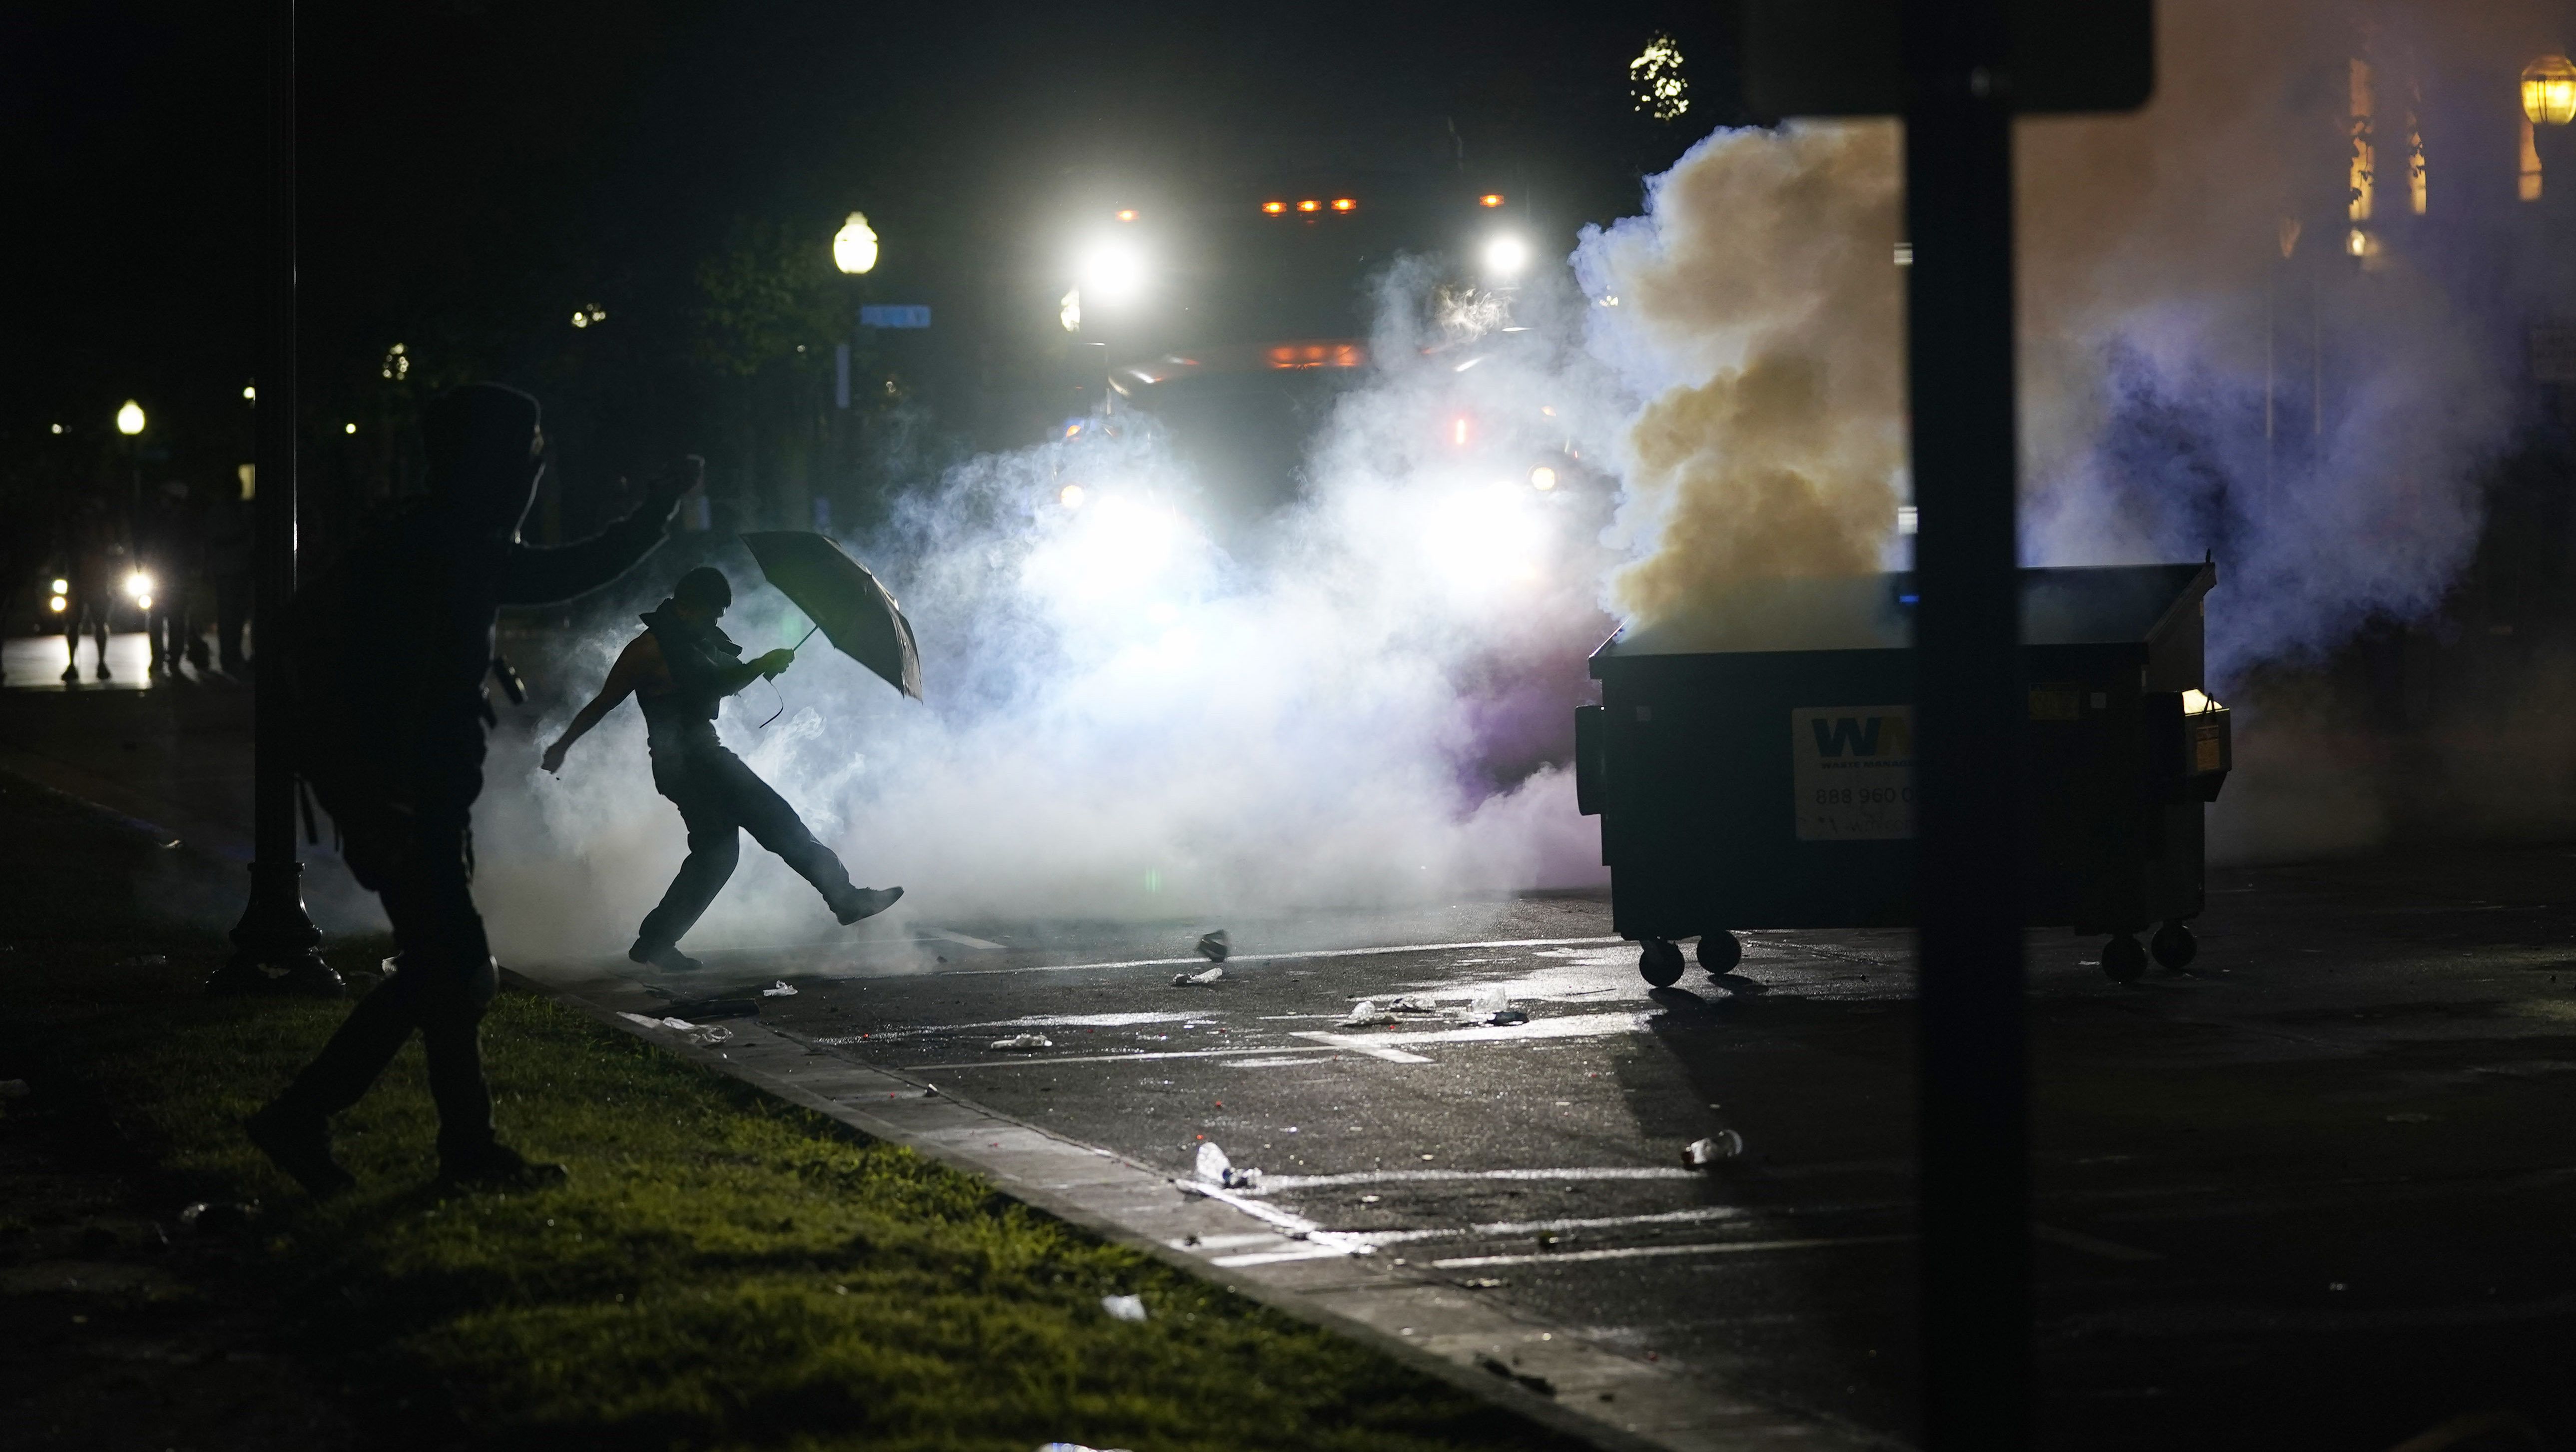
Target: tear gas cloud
pixel 1128 721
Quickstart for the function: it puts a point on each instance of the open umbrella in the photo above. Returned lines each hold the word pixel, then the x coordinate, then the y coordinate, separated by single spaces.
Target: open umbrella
pixel 844 601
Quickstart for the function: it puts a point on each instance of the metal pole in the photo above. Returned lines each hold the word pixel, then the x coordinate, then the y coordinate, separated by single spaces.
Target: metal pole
pixel 1968 787
pixel 273 945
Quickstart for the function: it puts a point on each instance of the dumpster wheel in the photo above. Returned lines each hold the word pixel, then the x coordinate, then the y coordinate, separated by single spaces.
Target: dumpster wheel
pixel 1719 952
pixel 2174 945
pixel 2123 961
pixel 1659 960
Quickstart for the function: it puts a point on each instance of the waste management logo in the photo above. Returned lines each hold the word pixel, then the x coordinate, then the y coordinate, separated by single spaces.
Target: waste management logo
pixel 1854 772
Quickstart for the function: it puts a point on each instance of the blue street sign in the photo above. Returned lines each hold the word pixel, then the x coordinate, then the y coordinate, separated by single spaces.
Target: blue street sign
pixel 906 315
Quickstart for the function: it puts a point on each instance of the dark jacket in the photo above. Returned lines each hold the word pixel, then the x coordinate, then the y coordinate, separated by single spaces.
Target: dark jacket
pixel 392 643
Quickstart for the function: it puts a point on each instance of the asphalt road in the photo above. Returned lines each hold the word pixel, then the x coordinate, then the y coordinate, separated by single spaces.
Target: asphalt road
pixel 2319 1191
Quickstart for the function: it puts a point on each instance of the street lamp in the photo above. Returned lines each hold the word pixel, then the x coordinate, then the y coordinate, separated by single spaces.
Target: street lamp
pixel 2549 91
pixel 854 247
pixel 129 419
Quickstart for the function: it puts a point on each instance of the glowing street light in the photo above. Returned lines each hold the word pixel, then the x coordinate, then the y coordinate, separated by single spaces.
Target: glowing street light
pixel 129 419
pixel 854 247
pixel 2549 91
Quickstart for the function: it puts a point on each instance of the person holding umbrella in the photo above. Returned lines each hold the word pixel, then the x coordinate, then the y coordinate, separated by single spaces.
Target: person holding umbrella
pixel 679 671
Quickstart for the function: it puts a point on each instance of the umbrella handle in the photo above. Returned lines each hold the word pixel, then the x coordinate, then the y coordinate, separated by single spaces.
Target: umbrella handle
pixel 782 695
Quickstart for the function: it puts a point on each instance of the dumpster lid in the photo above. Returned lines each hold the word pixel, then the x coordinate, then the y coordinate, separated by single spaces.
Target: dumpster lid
pixel 2079 605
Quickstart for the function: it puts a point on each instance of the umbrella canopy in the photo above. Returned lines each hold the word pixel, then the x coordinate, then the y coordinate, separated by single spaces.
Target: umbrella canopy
pixel 844 601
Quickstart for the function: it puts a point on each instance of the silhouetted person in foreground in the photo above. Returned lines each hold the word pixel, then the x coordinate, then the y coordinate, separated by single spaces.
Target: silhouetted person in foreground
pixel 169 546
pixel 679 671
pixel 391 648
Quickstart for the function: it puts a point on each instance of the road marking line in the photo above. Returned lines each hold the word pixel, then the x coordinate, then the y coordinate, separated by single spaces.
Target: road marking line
pixel 1024 1060
pixel 1276 1183
pixel 1572 1026
pixel 969 942
pixel 1241 958
pixel 1532 1227
pixel 1644 1252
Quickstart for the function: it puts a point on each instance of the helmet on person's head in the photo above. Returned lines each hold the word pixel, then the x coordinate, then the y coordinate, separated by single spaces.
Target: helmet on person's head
pixel 706 588
pixel 481 440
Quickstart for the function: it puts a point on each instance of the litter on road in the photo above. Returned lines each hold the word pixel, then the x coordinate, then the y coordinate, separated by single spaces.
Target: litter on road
pixel 1215 1169
pixel 781 989
pixel 695 1033
pixel 1366 1014
pixel 1124 1308
pixel 1215 946
pixel 1183 980
pixel 1726 1144
pixel 1022 1042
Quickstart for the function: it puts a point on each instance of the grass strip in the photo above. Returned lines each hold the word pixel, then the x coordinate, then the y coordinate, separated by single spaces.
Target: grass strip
pixel 724 1270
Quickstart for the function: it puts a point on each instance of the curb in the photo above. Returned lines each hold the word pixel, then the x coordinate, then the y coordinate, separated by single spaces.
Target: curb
pixel 1606 1399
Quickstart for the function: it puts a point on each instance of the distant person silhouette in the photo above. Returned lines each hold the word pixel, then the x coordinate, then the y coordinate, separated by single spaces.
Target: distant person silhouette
pixel 679 671
pixel 391 647
pixel 95 557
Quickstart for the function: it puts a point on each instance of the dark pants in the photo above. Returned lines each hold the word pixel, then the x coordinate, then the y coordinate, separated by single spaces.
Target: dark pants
pixel 445 980
pixel 720 798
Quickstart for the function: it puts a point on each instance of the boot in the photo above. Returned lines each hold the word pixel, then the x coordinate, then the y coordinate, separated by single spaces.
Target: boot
pixel 665 956
pixel 864 902
pixel 299 1144
pixel 496 1166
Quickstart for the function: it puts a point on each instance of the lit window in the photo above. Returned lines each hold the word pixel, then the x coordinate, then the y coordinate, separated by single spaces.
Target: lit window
pixel 2363 179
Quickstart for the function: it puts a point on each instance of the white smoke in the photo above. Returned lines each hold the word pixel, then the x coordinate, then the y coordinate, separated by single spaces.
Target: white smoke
pixel 1125 720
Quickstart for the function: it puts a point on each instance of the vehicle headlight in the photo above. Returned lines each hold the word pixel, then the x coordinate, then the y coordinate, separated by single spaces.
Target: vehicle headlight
pixel 138 585
pixel 1505 256
pixel 1112 272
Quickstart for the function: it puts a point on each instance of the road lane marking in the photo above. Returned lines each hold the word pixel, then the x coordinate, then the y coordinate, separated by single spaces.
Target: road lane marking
pixel 1034 1020
pixel 1242 958
pixel 1276 1183
pixel 1536 1227
pixel 1646 1252
pixel 1572 1026
pixel 969 942
pixel 1041 1057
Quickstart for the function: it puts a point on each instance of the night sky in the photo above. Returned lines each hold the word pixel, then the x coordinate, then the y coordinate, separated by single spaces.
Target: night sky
pixel 473 171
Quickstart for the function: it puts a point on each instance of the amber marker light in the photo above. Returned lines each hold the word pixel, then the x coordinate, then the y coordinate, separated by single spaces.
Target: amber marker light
pixel 1274 208
pixel 1345 204
pixel 1310 205
pixel 1490 199
pixel 1127 214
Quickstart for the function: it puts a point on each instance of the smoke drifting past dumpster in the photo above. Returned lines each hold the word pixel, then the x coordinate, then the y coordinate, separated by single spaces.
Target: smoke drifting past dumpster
pixel 1752 765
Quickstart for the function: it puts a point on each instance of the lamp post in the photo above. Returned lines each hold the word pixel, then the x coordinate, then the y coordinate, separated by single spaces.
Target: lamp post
pixel 274 943
pixel 130 422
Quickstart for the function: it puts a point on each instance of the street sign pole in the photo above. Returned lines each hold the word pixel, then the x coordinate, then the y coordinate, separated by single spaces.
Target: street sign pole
pixel 1968 783
pixel 274 943
pixel 1957 72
